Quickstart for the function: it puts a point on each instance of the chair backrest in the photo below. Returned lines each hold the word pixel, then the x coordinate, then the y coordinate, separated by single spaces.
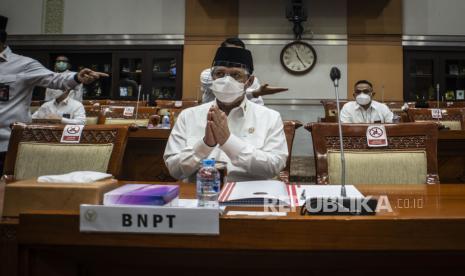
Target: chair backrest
pixel 331 109
pixel 127 103
pixel 289 130
pixel 173 104
pixel 36 150
pixel 93 114
pixel 94 102
pixel 410 157
pixel 453 118
pixel 446 104
pixel 115 115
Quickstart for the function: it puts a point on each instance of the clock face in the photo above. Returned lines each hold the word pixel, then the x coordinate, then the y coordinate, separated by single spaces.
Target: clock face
pixel 298 57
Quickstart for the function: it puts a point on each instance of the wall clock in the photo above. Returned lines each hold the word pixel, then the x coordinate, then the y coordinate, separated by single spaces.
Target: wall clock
pixel 298 57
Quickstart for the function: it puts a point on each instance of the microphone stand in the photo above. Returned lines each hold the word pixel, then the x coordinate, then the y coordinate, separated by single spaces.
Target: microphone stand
pixel 137 103
pixel 341 143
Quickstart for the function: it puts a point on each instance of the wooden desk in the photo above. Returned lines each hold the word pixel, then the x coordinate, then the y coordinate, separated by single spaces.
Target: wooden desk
pixel 426 239
pixel 451 156
pixel 143 158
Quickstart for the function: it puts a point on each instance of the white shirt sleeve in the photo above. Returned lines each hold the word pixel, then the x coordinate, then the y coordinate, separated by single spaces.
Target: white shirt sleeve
pixel 266 162
pixel 387 114
pixel 182 160
pixel 38 75
pixel 77 118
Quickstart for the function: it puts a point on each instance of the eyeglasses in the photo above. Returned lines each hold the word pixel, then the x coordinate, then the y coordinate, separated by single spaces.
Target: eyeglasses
pixel 238 74
pixel 364 91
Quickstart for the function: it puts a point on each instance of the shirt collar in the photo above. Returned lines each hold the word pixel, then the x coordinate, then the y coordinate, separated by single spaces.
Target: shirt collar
pixel 242 107
pixel 65 101
pixel 4 55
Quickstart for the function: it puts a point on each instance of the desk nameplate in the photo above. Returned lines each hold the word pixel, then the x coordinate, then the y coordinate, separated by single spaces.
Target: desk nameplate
pixel 149 219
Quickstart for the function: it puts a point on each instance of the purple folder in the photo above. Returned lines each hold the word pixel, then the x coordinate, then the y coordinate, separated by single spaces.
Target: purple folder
pixel 142 194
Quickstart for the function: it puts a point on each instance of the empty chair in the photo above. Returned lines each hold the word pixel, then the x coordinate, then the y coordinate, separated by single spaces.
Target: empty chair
pixel 409 158
pixel 452 118
pixel 36 150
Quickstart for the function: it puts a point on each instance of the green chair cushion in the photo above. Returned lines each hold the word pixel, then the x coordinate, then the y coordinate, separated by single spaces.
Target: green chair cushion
pixel 379 167
pixel 36 159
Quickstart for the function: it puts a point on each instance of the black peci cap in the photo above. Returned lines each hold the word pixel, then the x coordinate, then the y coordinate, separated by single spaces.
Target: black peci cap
pixel 234 57
pixel 3 22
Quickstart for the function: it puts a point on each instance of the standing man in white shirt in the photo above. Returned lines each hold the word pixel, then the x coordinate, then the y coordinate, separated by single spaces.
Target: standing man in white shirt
pixel 364 109
pixel 63 107
pixel 254 92
pixel 62 64
pixel 18 77
pixel 247 136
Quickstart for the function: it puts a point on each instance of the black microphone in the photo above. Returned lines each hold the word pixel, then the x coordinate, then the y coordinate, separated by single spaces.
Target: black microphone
pixel 335 75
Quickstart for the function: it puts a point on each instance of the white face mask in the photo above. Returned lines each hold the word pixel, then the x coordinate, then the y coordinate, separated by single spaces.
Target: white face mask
pixel 363 99
pixel 227 89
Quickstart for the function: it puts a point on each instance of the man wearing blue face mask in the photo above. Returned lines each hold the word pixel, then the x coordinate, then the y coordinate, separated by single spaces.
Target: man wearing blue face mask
pixel 62 65
pixel 364 109
pixel 247 136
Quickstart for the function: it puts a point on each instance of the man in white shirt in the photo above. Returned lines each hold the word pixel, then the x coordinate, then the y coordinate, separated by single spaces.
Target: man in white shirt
pixel 64 108
pixel 62 65
pixel 253 92
pixel 364 109
pixel 247 136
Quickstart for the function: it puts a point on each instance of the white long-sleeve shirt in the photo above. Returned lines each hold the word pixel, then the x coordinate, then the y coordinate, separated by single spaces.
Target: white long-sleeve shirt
pixel 206 81
pixel 21 74
pixel 67 108
pixel 352 112
pixel 255 150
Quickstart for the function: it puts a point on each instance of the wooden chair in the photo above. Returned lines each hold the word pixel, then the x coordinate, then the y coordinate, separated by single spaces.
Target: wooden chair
pixel 93 114
pixel 453 118
pixel 409 158
pixel 173 108
pixel 35 150
pixel 115 115
pixel 330 107
pixel 289 129
pixel 127 103
pixel 95 102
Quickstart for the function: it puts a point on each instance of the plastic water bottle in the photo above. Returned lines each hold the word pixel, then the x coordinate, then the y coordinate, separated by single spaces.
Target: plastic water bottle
pixel 165 122
pixel 208 184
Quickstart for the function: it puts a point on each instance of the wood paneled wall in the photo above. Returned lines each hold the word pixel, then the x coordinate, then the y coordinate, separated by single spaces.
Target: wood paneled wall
pixel 208 23
pixel 375 45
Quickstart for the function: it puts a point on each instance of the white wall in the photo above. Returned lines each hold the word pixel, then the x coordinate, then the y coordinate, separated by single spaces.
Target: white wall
pixel 434 17
pixel 269 17
pixel 24 16
pixel 100 16
pixel 124 17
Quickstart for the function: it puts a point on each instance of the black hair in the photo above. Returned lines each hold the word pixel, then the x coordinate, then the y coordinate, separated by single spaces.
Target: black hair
pixel 233 41
pixel 363 82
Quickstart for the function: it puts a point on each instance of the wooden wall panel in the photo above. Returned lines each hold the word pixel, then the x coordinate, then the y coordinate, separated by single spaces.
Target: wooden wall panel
pixel 374 17
pixel 380 63
pixel 208 23
pixel 375 46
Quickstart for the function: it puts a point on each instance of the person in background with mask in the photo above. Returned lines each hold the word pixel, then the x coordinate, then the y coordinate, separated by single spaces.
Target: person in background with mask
pixel 18 77
pixel 63 107
pixel 364 109
pixel 253 92
pixel 247 136
pixel 62 65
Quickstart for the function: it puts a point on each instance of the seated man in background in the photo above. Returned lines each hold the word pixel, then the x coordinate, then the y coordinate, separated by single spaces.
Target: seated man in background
pixel 64 108
pixel 253 92
pixel 364 109
pixel 247 136
pixel 62 65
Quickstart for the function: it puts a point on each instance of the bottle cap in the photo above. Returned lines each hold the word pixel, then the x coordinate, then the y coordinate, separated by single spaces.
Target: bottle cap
pixel 208 162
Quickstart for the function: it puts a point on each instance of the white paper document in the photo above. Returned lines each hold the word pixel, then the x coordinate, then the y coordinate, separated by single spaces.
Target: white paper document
pixel 253 193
